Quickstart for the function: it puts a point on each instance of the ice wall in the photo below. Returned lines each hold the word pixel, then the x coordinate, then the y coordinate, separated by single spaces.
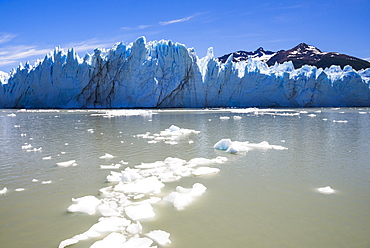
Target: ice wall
pixel 162 74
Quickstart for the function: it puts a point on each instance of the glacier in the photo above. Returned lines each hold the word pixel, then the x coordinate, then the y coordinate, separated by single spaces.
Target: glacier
pixel 164 74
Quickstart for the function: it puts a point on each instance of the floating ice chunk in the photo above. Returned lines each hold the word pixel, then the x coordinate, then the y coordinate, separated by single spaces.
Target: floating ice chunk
pixel 12 115
pixel 150 165
pixel 159 236
pixel 46 182
pixel 140 212
pixel 224 117
pixel 344 121
pixel 182 197
pixel 68 242
pixel 326 190
pixel 205 171
pixel 105 225
pixel 46 158
pixel 35 150
pixel 223 144
pixel 106 156
pixel 19 189
pixel 149 185
pixel 34 180
pixel 311 115
pixel 236 117
pixel 3 191
pixel 26 146
pixel 90 130
pixel 113 240
pixel 362 113
pixel 134 228
pixel 206 161
pixel 86 204
pixel 108 208
pixel 236 146
pixel 136 242
pixel 67 163
pixel 110 167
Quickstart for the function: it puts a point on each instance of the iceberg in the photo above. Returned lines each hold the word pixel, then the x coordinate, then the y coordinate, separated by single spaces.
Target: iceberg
pixel 164 74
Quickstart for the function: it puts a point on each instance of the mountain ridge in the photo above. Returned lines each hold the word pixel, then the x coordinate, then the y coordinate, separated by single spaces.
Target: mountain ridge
pixel 302 54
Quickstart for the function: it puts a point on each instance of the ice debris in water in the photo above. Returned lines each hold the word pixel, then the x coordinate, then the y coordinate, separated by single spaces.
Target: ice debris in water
pixel 3 191
pixel 67 163
pixel 237 146
pixel 140 212
pixel 19 189
pixel 161 237
pixel 106 156
pixel 326 190
pixel 169 135
pixel 132 193
pixel 87 204
pixel 182 197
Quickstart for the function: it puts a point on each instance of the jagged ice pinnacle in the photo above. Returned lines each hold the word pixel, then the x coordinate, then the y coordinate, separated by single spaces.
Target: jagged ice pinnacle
pixel 161 74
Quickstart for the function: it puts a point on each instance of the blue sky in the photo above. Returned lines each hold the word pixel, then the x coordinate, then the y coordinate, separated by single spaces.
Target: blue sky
pixel 30 29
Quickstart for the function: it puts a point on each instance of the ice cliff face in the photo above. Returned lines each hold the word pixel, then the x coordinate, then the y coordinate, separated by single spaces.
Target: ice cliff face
pixel 162 74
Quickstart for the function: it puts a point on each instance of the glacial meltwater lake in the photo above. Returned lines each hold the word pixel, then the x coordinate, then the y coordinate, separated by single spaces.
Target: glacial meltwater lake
pixel 263 197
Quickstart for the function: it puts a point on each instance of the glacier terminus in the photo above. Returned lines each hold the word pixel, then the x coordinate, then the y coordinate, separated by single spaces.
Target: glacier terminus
pixel 164 74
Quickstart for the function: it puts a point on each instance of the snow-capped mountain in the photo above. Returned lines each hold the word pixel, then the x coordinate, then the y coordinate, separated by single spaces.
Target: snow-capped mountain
pixel 304 54
pixel 164 74
pixel 260 54
pixel 300 55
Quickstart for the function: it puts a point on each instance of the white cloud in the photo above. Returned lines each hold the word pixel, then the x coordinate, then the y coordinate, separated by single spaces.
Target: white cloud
pixel 13 54
pixel 176 21
pixel 5 37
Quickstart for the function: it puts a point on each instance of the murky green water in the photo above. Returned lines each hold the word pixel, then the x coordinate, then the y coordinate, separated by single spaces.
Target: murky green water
pixel 262 198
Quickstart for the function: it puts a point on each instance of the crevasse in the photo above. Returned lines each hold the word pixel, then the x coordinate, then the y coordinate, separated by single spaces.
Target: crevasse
pixel 163 74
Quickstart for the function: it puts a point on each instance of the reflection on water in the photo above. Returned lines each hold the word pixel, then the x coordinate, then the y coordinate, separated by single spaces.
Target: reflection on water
pixel 262 198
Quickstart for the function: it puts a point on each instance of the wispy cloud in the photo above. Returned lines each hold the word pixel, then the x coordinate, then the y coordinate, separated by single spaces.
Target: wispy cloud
pixel 13 54
pixel 139 27
pixel 176 21
pixel 90 44
pixel 5 37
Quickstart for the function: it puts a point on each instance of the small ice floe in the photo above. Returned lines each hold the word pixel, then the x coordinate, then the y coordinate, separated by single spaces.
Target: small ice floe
pixel 135 228
pixel 106 156
pixel 159 236
pixel 20 125
pixel 3 191
pixel 12 115
pixel 224 117
pixel 87 204
pixel 19 189
pixel 90 130
pixel 67 163
pixel 110 167
pixel 140 212
pixel 23 134
pixel 326 190
pixel 26 146
pixel 46 158
pixel 325 119
pixel 237 146
pixel 35 150
pixel 201 171
pixel 237 117
pixel 340 121
pixel 311 115
pixel 105 226
pixel 46 182
pixel 112 240
pixel 35 180
pixel 362 113
pixel 182 197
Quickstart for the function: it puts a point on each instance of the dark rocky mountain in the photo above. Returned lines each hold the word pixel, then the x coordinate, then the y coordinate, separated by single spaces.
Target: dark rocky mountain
pixel 300 55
